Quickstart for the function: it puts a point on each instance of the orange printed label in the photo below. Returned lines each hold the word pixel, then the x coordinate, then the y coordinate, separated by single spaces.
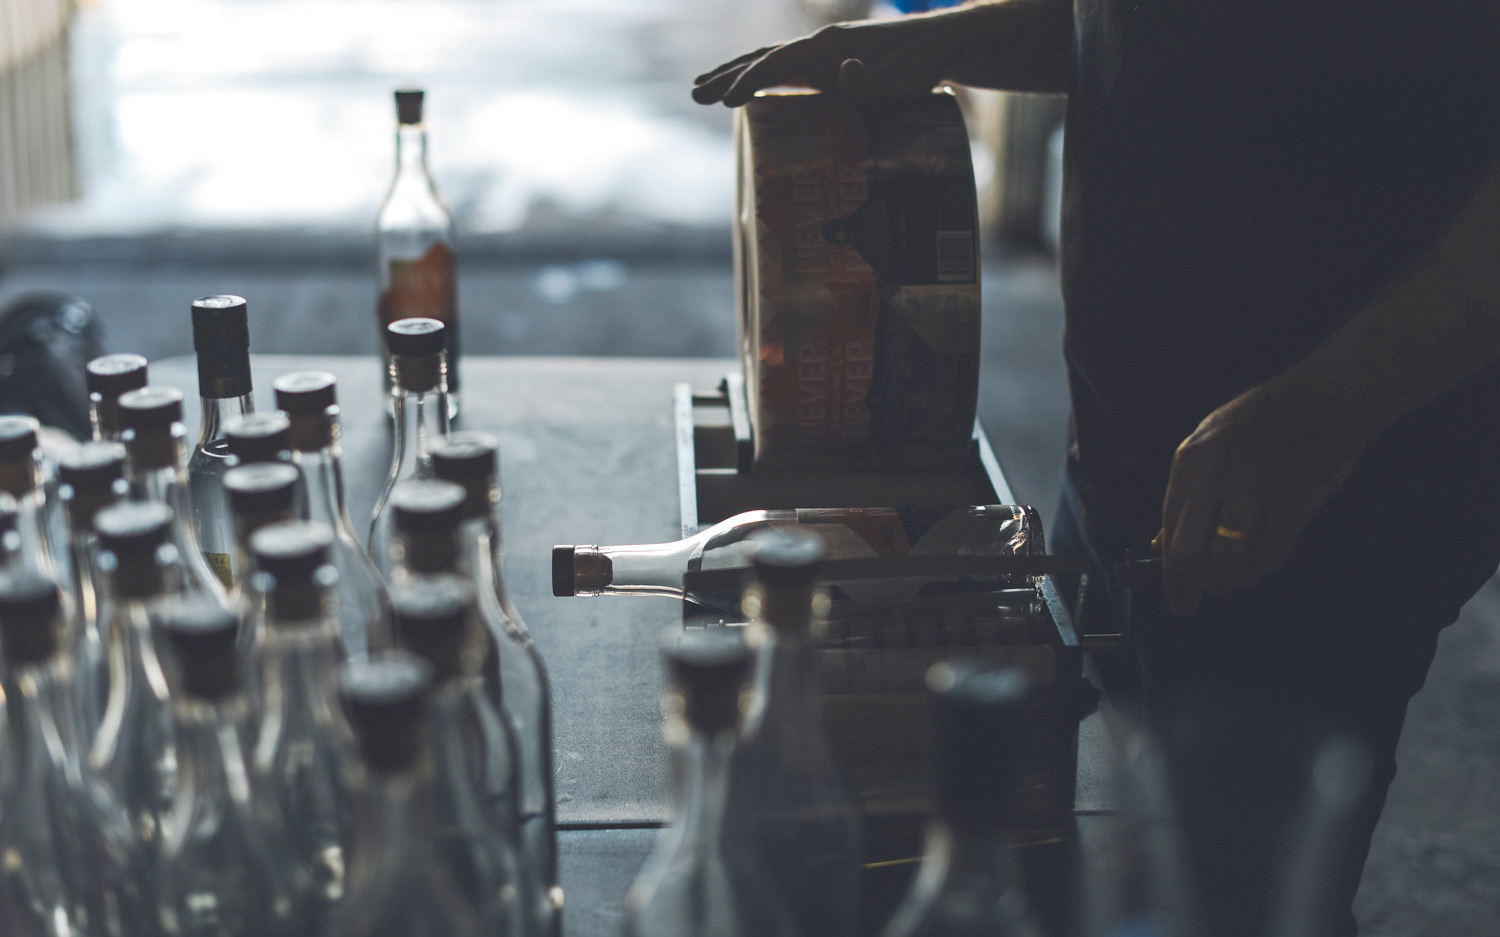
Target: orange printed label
pixel 424 288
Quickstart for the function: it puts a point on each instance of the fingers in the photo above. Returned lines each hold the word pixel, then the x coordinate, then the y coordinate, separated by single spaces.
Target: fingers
pixel 1231 547
pixel 1184 560
pixel 710 86
pixel 732 64
pixel 854 79
pixel 780 66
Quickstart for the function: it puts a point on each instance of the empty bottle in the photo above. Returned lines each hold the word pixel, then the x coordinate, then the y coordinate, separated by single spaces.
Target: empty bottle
pixel 153 440
pixel 221 337
pixel 396 885
pixel 790 803
pixel 849 534
pixel 470 459
pixel 302 729
pixel 21 478
pixel 259 494
pixel 970 882
pixel 414 241
pixel 473 754
pixel 133 750
pixel 91 477
pixel 71 859
pixel 222 873
pixel 308 398
pixel 258 437
pixel 106 378
pixel 698 883
pixel 419 373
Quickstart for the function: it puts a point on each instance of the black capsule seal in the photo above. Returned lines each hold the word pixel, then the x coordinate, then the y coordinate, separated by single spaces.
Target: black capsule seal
pixel 788 558
pixel 710 669
pixel 291 551
pixel 466 454
pixel 92 466
pixel 432 617
pixel 264 488
pixel 563 570
pixel 151 408
pixel 409 105
pixel 133 529
pixel 306 393
pixel 29 603
pixel 221 337
pixel 110 376
pixel 416 346
pixel 384 696
pixel 982 738
pixel 17 437
pixel 259 437
pixel 427 505
pixel 204 641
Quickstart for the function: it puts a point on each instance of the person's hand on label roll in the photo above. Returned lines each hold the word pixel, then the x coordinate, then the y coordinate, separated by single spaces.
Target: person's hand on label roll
pixel 1246 483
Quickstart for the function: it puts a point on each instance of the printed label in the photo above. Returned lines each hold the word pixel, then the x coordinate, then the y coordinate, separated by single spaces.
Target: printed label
pixel 219 563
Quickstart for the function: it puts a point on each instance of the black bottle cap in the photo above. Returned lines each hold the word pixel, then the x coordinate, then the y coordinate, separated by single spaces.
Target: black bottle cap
pixel 113 375
pixel 17 437
pixel 409 105
pixel 466 454
pixel 92 466
pixel 562 570
pixel 306 393
pixel 149 408
pixel 258 437
pixel 291 551
pixel 432 617
pixel 982 734
pixel 710 670
pixel 427 505
pixel 790 558
pixel 263 488
pixel 415 338
pixel 133 529
pixel 204 639
pixel 221 337
pixel 28 617
pixel 384 695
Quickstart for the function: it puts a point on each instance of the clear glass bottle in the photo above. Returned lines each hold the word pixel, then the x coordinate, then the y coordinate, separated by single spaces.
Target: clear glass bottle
pixel 221 337
pixel 153 440
pixel 70 856
pixel 396 885
pixel 302 729
pixel 418 275
pixel 222 868
pixel 106 378
pixel 91 477
pixel 970 882
pixel 258 437
pixel 697 882
pixel 477 811
pixel 849 533
pixel 259 494
pixel 419 376
pixel 790 801
pixel 309 400
pixel 21 478
pixel 471 459
pixel 133 750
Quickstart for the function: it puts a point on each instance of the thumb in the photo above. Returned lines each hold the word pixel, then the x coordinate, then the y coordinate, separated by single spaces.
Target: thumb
pixel 856 79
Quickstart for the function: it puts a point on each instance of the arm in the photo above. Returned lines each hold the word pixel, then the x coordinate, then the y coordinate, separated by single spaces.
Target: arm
pixel 1265 462
pixel 1018 45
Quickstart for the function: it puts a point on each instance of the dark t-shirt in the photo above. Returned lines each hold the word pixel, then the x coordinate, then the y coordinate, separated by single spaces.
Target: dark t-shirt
pixel 1241 178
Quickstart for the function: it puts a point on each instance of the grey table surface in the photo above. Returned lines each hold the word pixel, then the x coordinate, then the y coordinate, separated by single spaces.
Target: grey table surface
pixel 587 456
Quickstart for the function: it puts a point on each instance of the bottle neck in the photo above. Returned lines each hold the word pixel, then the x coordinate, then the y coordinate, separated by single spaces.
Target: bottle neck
pixel 421 420
pixel 411 150
pixel 42 720
pixel 210 747
pixel 134 668
pixel 216 412
pixel 633 569
pixel 974 860
pixel 323 487
pixel 300 671
pixel 479 559
pixel 81 549
pixel 704 792
pixel 395 825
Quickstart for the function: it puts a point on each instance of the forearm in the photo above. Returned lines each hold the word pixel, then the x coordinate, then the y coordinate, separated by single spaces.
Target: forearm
pixel 1435 326
pixel 1012 45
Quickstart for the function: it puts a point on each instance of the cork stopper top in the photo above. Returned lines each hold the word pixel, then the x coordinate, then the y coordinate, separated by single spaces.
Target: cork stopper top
pixel 259 437
pixel 17 437
pixel 112 375
pixel 709 670
pixel 384 695
pixel 409 105
pixel 29 603
pixel 203 638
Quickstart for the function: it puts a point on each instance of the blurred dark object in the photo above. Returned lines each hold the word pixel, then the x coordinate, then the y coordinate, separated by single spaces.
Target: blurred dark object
pixel 46 339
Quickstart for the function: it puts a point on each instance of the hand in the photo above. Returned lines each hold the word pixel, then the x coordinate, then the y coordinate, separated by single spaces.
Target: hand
pixel 1246 483
pixel 894 57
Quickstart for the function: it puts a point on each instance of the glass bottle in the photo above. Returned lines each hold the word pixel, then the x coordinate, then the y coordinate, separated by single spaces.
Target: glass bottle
pixel 302 729
pixel 133 750
pixel 91 477
pixel 21 478
pixel 309 400
pixel 221 337
pixel 970 881
pixel 258 437
pixel 849 533
pixel 221 870
pixel 477 818
pixel 470 459
pixel 417 276
pixel 259 494
pixel 106 378
pixel 70 856
pixel 698 883
pixel 396 885
pixel 10 537
pixel 418 370
pixel 153 440
pixel 790 801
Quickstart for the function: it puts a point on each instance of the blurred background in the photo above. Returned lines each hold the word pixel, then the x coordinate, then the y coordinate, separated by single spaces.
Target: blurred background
pixel 152 151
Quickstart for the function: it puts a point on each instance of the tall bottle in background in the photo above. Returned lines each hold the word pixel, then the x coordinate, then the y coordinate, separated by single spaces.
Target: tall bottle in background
pixel 153 439
pixel 789 801
pixel 970 883
pixel 221 336
pixel 417 273
pixel 419 367
pixel 471 459
pixel 106 378
pixel 309 399
pixel 21 478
